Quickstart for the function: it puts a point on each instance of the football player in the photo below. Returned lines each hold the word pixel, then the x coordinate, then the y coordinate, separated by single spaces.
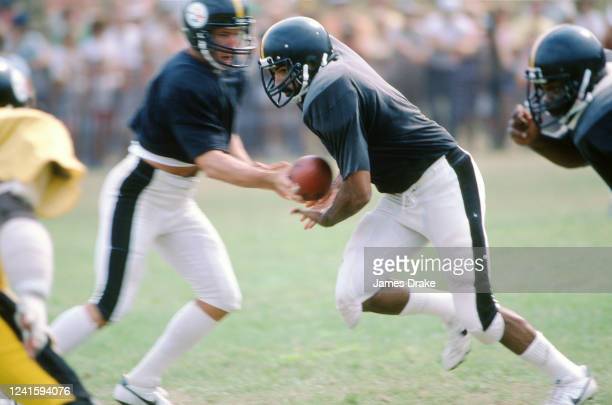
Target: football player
pixel 39 176
pixel 432 191
pixel 183 126
pixel 568 119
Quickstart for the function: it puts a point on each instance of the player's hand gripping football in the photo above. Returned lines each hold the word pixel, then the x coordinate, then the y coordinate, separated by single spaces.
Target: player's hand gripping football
pixel 521 127
pixel 281 183
pixel 315 209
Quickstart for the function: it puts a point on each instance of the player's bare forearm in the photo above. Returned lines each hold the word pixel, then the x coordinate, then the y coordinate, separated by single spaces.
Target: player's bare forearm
pixel 237 149
pixel 225 167
pixel 355 192
pixel 558 152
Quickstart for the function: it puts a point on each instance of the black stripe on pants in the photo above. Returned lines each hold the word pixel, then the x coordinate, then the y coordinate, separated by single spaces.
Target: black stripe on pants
pixel 461 163
pixel 120 234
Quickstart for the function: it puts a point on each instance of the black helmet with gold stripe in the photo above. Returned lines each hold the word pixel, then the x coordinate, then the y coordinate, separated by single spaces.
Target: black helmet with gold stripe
pixel 565 64
pixel 14 88
pixel 202 17
pixel 302 46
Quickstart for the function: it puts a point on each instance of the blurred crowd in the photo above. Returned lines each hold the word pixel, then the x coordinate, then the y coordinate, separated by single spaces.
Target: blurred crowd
pixel 461 62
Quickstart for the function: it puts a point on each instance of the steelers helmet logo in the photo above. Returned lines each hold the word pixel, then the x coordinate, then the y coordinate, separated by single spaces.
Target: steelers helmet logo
pixel 20 86
pixel 196 15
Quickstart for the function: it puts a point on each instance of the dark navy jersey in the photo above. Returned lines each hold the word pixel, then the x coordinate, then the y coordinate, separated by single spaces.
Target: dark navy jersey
pixel 188 110
pixel 366 124
pixel 593 133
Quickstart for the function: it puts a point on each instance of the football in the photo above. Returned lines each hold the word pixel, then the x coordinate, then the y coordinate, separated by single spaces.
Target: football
pixel 313 175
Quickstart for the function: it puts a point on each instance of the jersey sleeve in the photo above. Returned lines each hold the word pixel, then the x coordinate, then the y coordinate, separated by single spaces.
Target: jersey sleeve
pixel 336 118
pixel 597 147
pixel 195 118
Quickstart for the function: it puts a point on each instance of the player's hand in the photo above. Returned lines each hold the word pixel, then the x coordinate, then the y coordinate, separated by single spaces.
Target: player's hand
pixel 324 202
pixel 31 318
pixel 521 127
pixel 310 217
pixel 282 184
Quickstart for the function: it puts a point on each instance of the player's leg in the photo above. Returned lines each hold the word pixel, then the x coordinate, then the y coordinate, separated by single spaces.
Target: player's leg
pixel 196 251
pixel 382 228
pixel 126 231
pixel 26 254
pixel 461 224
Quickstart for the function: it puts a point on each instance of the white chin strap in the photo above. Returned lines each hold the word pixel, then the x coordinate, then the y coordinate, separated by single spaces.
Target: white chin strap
pixel 305 84
pixel 306 80
pixel 583 99
pixel 203 48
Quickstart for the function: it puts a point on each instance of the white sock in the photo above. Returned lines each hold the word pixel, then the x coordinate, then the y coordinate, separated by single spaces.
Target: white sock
pixel 435 303
pixel 71 328
pixel 186 328
pixel 542 354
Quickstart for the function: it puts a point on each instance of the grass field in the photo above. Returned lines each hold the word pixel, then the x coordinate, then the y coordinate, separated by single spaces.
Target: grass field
pixel 289 345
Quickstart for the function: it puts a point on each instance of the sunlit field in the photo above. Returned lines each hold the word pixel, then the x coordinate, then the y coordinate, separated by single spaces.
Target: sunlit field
pixel 289 345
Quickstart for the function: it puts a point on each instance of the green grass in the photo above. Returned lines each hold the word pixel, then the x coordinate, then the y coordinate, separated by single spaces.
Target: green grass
pixel 289 345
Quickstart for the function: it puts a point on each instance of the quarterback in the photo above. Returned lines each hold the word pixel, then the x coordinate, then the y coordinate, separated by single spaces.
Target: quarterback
pixel 183 126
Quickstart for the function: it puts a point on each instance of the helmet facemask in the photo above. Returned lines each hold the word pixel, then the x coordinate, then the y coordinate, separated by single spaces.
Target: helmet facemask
pixel 556 105
pixel 293 87
pixel 240 55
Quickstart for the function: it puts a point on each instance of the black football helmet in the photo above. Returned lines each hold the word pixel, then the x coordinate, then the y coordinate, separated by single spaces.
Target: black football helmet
pixel 14 89
pixel 299 44
pixel 572 57
pixel 200 17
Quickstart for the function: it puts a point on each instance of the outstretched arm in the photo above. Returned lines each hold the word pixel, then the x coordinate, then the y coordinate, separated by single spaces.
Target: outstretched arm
pixel 219 165
pixel 237 149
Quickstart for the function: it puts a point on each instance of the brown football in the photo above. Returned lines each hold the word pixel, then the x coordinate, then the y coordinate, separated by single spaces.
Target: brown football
pixel 314 176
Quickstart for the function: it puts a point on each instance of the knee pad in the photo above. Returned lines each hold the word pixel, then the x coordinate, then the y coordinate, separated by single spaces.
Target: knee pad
pixel 27 256
pixel 350 309
pixel 228 299
pixel 492 334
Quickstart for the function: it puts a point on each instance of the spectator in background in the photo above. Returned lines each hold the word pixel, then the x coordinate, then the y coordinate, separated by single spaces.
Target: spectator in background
pixel 104 79
pixel 590 18
pixel 455 40
pixel 32 46
pixel 127 34
pixel 406 71
pixel 68 83
pixel 607 41
pixel 15 60
pixel 526 29
pixel 262 130
pixel 505 62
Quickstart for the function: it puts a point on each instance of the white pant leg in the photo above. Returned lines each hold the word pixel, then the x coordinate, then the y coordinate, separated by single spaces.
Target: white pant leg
pixel 453 198
pixel 379 228
pixel 194 248
pixel 26 252
pixel 126 229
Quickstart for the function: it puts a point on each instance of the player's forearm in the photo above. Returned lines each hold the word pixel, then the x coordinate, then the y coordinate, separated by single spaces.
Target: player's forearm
pixel 237 149
pixel 224 167
pixel 351 198
pixel 558 152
